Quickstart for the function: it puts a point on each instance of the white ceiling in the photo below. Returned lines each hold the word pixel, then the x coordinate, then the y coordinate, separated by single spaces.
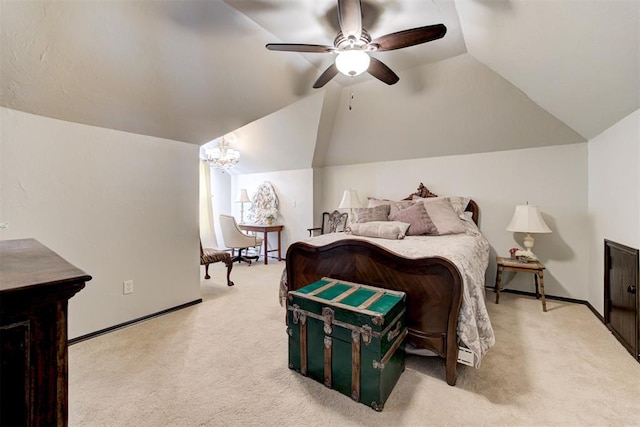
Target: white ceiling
pixel 193 71
pixel 579 60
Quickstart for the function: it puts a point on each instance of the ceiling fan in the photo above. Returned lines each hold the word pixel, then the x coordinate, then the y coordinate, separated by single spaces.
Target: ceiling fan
pixel 353 44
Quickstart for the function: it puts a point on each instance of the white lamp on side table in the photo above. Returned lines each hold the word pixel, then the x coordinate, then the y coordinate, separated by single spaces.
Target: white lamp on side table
pixel 527 219
pixel 243 198
pixel 349 201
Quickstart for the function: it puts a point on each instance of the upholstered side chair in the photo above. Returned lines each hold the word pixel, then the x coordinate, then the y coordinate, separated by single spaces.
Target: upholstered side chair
pixel 210 256
pixel 333 222
pixel 235 239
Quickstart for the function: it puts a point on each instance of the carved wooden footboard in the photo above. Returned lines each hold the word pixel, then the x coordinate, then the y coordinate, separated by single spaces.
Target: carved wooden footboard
pixel 433 287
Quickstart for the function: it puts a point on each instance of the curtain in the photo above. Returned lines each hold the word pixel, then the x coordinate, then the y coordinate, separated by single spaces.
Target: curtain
pixel 207 230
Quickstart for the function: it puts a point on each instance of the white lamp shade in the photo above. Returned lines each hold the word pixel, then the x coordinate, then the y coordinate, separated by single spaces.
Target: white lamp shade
pixel 527 219
pixel 350 200
pixel 243 197
pixel 352 62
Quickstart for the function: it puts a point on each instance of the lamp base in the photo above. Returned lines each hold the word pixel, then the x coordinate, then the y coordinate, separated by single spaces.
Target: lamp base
pixel 528 244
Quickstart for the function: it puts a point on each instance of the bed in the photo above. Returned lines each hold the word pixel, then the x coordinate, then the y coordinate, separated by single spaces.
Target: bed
pixel 443 277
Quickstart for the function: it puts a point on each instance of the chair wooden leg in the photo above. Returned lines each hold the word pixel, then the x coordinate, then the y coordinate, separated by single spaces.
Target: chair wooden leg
pixel 206 271
pixel 229 264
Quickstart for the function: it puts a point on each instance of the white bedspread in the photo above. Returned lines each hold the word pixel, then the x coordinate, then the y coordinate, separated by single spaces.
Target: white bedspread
pixel 469 252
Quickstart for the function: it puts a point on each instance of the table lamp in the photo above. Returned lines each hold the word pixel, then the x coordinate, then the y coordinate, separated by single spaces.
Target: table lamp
pixel 527 219
pixel 349 201
pixel 243 198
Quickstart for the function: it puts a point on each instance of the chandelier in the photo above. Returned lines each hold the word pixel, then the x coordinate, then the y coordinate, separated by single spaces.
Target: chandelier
pixel 222 156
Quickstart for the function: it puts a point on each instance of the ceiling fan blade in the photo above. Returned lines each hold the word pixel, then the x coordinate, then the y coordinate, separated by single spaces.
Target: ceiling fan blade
pixel 408 38
pixel 350 18
pixel 381 72
pixel 298 47
pixel 324 78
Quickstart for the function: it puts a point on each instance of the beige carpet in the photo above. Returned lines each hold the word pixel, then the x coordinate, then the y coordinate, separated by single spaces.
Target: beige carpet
pixel 224 363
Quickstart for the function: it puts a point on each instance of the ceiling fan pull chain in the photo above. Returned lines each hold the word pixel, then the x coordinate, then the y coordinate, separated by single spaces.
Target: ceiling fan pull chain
pixel 350 93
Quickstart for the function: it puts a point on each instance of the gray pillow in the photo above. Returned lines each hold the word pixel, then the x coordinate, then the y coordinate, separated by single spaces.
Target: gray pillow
pixel 393 206
pixel 397 206
pixel 418 218
pixel 376 213
pixel 377 202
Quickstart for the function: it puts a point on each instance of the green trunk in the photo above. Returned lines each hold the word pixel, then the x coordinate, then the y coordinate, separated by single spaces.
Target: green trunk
pixel 349 337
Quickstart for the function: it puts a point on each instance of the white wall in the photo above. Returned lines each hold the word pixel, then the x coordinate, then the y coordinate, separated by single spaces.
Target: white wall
pixel 554 178
pixel 614 196
pixel 117 205
pixel 294 189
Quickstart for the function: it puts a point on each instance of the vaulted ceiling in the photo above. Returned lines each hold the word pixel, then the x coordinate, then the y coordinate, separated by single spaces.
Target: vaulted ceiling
pixel 508 73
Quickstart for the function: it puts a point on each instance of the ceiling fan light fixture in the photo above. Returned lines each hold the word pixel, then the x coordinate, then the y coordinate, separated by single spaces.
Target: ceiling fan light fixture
pixel 353 43
pixel 352 62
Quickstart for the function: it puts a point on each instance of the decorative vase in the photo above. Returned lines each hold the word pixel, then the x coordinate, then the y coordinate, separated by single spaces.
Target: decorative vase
pixel 269 221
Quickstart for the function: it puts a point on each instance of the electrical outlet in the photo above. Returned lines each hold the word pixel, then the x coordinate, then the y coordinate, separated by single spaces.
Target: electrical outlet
pixel 127 287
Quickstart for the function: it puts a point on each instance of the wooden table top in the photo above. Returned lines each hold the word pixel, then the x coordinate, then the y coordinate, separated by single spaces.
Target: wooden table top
pixel 28 263
pixel 514 263
pixel 261 227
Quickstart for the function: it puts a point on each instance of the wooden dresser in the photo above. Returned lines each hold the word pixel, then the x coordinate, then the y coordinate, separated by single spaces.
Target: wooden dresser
pixel 35 286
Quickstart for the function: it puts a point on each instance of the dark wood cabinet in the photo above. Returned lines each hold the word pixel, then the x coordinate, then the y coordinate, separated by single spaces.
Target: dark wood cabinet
pixel 621 297
pixel 35 286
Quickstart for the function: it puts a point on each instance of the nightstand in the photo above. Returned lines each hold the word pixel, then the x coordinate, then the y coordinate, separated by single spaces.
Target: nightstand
pixel 536 268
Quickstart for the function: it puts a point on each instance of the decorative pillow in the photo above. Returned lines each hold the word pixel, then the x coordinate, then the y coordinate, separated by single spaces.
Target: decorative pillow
pixel 459 204
pixel 398 206
pixel 393 230
pixel 393 206
pixel 443 216
pixel 377 202
pixel 376 213
pixel 417 216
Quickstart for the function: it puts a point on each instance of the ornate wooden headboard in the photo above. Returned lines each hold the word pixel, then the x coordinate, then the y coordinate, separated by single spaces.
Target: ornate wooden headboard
pixel 424 193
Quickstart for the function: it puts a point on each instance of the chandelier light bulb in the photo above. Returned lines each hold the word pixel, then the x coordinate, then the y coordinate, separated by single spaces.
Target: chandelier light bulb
pixel 352 62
